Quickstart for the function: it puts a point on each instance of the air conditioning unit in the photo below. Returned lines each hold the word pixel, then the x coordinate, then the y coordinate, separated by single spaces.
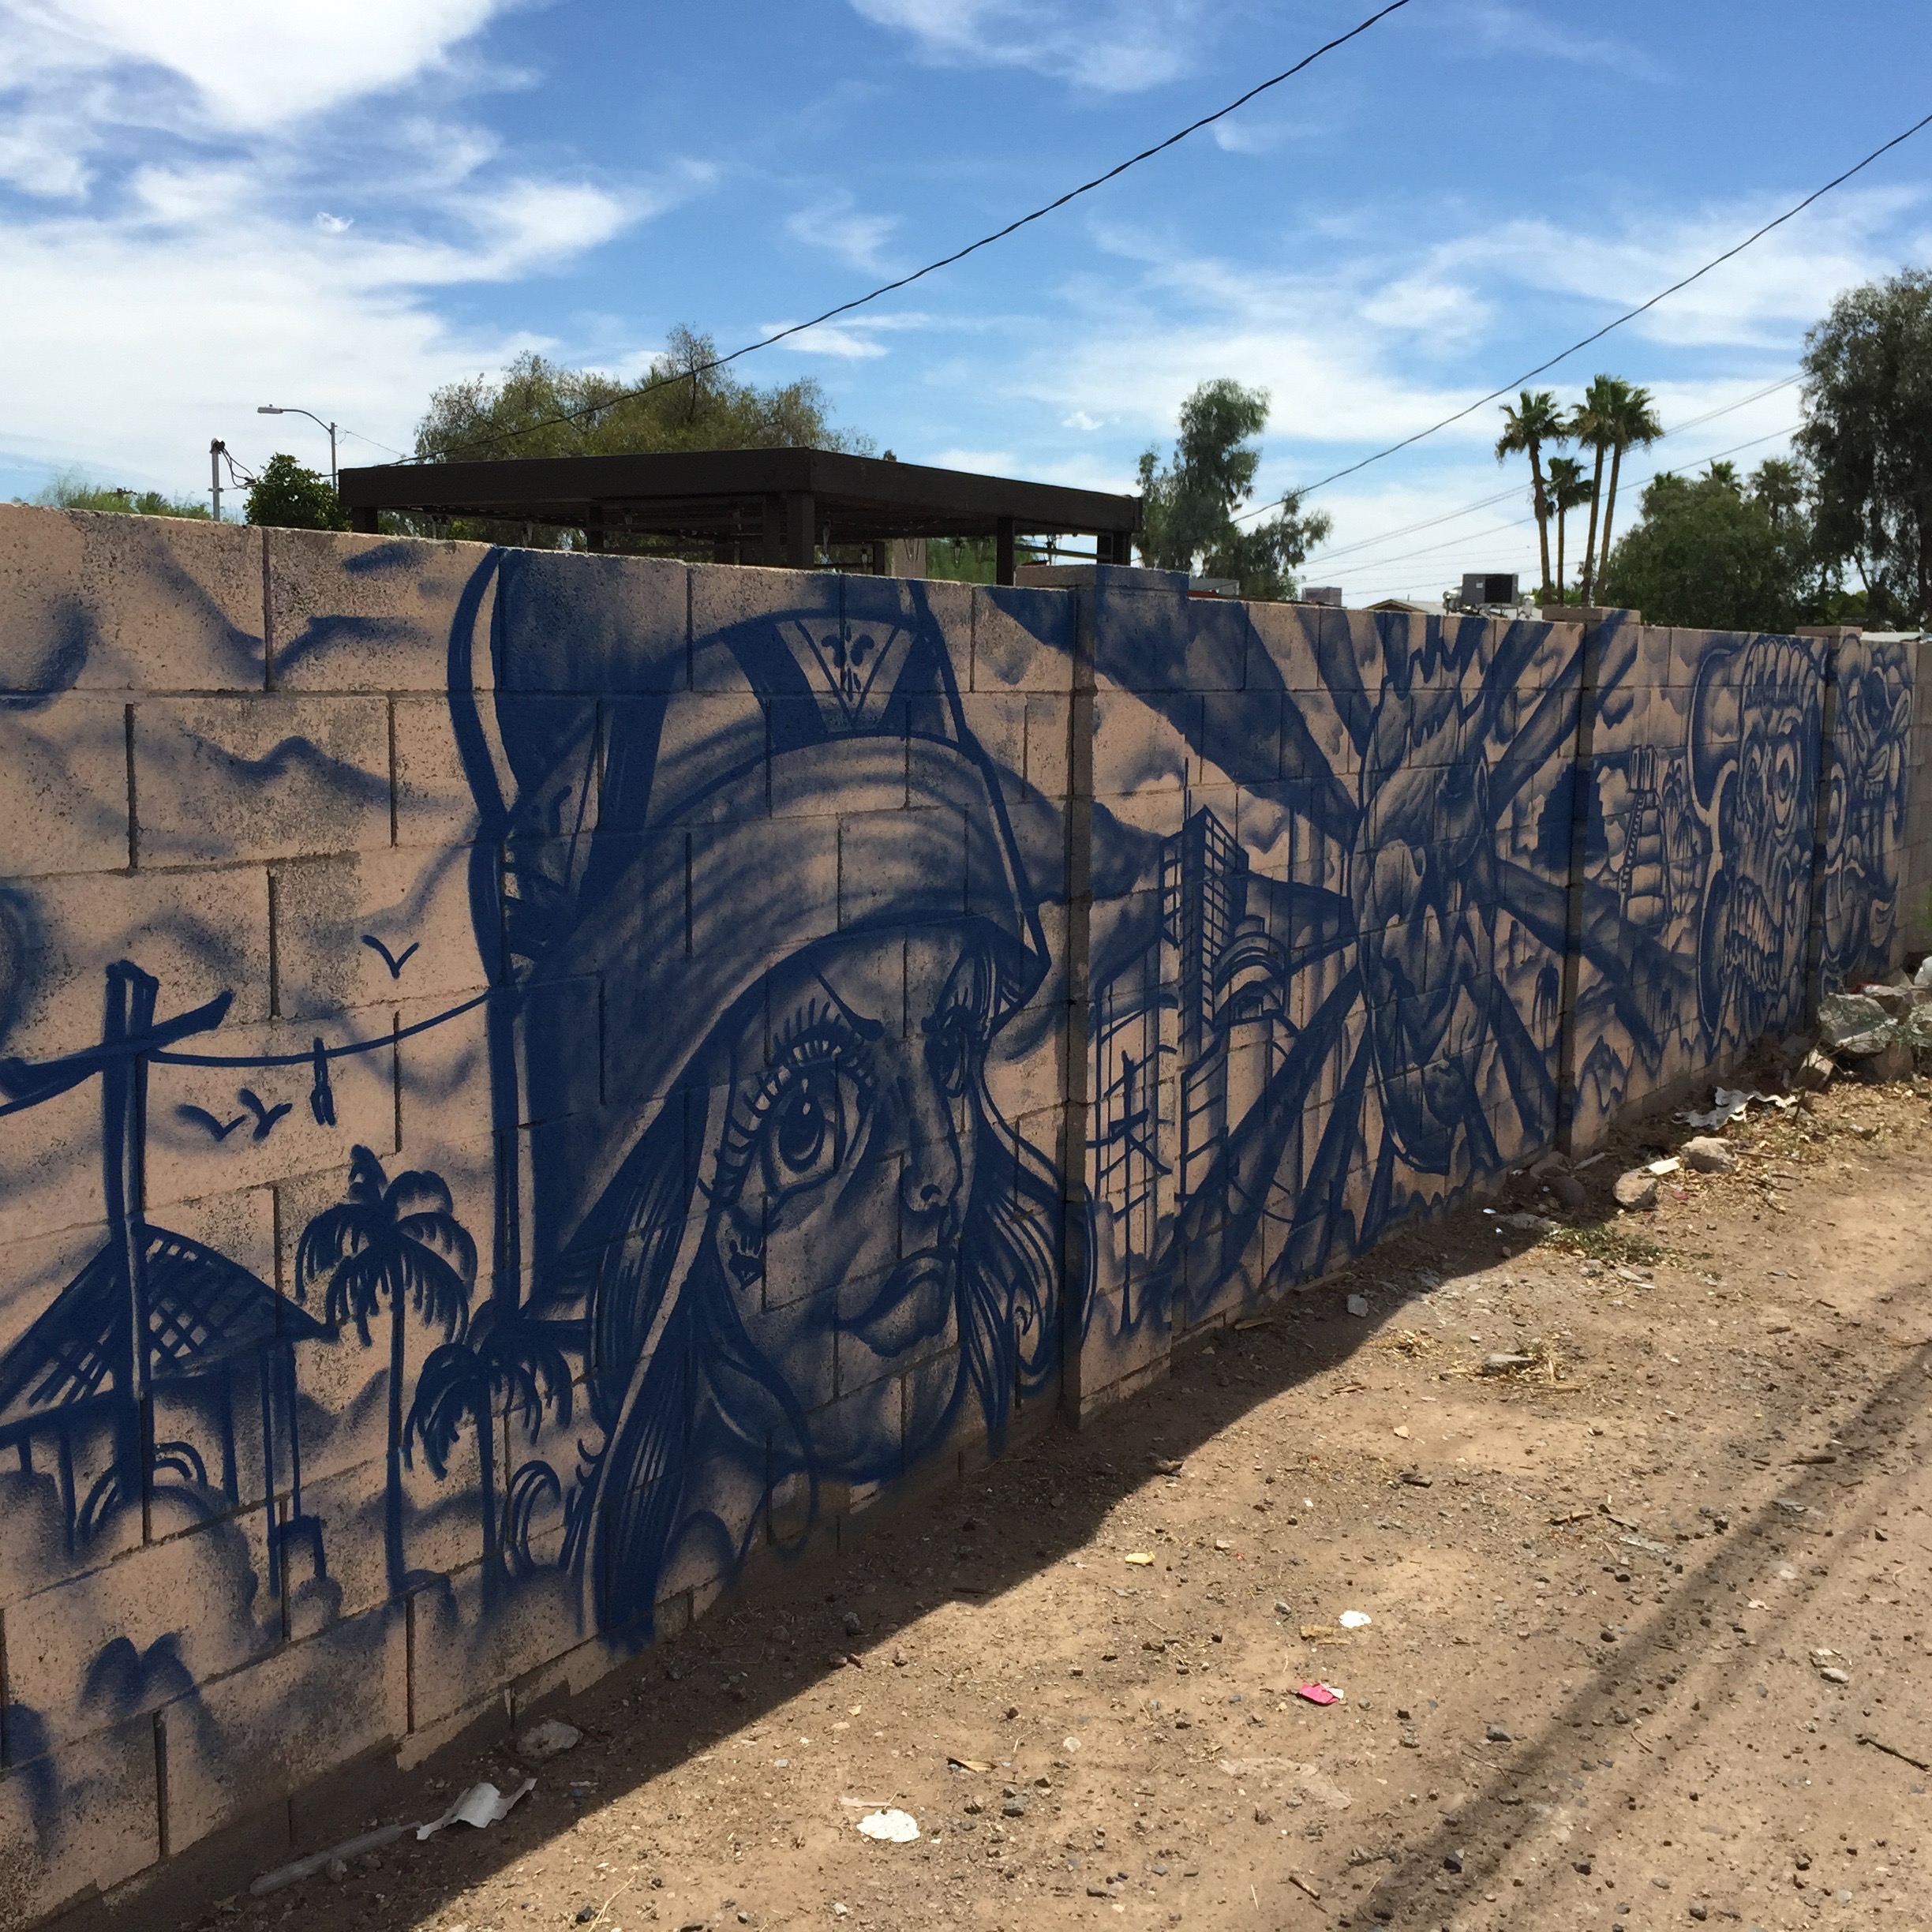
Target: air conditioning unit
pixel 1322 593
pixel 1481 587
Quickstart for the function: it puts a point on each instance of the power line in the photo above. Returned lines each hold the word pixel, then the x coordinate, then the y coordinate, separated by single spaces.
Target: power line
pixel 1525 522
pixel 1484 503
pixel 1631 315
pixel 932 267
pixel 402 455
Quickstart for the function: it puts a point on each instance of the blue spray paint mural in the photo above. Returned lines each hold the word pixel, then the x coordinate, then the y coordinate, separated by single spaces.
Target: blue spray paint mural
pixel 549 1082
pixel 807 1249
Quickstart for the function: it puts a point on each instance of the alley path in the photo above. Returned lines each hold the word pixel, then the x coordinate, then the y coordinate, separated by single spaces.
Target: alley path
pixel 1648 1617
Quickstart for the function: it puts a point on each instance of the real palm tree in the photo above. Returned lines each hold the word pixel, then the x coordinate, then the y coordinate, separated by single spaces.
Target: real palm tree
pixel 395 1241
pixel 1569 487
pixel 1633 420
pixel 1536 420
pixel 509 1356
pixel 1590 425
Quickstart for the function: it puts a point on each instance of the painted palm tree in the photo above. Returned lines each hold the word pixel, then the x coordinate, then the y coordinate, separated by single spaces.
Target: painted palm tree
pixel 1633 420
pixel 1590 425
pixel 510 1362
pixel 1536 420
pixel 399 1243
pixel 1569 489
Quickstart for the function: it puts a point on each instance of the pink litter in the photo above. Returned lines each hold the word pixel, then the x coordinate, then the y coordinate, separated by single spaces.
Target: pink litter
pixel 1319 1694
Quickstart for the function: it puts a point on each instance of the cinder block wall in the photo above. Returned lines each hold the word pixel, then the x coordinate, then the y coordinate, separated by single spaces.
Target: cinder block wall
pixel 788 1034
pixel 1915 918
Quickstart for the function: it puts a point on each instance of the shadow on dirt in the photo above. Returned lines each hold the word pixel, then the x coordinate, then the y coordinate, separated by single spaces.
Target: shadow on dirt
pixel 771 1637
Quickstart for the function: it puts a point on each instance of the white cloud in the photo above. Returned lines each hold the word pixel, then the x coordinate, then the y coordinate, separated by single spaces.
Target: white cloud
pixel 1123 47
pixel 245 71
pixel 1500 28
pixel 853 338
pixel 1443 309
pixel 177 283
pixel 1244 135
pixel 830 338
pixel 833 224
pixel 37 153
pixel 1767 297
pixel 1081 421
pixel 145 337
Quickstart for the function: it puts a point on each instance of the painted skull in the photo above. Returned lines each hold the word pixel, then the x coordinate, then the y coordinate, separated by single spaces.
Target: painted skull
pixel 1754 738
pixel 1422 878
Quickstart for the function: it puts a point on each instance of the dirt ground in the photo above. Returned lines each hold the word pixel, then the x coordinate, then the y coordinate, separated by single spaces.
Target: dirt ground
pixel 1648 1625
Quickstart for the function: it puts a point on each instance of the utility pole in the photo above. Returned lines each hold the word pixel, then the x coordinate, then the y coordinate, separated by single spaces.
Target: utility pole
pixel 217 450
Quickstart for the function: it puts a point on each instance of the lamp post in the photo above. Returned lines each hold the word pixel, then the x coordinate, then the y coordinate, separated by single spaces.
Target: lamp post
pixel 269 409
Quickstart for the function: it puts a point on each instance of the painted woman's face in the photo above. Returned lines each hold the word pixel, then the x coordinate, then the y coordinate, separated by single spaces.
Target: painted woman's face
pixel 844 1174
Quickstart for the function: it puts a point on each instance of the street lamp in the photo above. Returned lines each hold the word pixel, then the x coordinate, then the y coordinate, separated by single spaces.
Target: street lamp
pixel 269 409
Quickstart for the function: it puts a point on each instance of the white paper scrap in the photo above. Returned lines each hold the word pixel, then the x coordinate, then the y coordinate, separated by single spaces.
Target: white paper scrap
pixel 481 1805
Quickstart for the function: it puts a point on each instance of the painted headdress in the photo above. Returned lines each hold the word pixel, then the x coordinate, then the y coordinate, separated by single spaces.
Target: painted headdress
pixel 676 816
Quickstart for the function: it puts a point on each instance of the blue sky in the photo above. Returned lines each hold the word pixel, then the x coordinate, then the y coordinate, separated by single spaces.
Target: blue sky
pixel 341 207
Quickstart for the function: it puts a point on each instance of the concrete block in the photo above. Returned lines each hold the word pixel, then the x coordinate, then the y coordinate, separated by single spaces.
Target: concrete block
pixel 1219 645
pixel 276 1725
pixel 724 596
pixel 50 1177
pixel 360 613
pixel 998 719
pixel 414 906
pixel 443 1098
pixel 63 786
pixel 876 609
pixel 1134 749
pixel 1140 631
pixel 116 603
pixel 1023 639
pixel 573 621
pixel 434 804
pixel 229 1142
pixel 1281 647
pixel 1049 726
pixel 704 753
pixel 218 780
pixel 464 1639
pixel 135 1633
pixel 200 934
pixel 77 1822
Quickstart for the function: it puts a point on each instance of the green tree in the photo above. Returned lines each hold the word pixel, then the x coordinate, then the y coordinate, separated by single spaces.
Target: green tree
pixel 962 560
pixel 514 414
pixel 399 1243
pixel 288 496
pixel 1868 438
pixel 71 490
pixel 1569 489
pixel 1535 421
pixel 1591 425
pixel 1631 420
pixel 1722 553
pixel 1189 504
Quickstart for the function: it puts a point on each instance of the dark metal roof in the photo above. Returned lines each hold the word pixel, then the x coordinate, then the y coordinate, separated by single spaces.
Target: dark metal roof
pixel 742 497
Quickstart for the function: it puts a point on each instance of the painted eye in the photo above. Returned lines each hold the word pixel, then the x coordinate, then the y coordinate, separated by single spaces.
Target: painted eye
pixel 805 1132
pixel 1784 775
pixel 951 1045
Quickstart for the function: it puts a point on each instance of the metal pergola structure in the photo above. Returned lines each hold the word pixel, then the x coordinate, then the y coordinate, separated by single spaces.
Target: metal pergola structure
pixel 775 506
